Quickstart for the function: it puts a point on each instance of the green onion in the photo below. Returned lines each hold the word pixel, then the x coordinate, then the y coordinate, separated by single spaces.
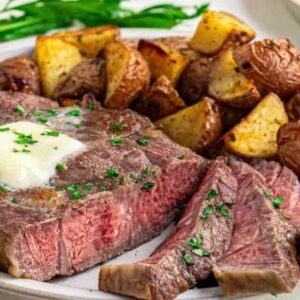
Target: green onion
pixel 188 259
pixel 146 171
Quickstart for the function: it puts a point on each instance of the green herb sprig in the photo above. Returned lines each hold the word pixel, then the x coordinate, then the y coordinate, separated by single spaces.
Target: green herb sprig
pixel 40 16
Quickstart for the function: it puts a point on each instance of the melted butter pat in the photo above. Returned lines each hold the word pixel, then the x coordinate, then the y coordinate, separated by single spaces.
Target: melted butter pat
pixel 19 170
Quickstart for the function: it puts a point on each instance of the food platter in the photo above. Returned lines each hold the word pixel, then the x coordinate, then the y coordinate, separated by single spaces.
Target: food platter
pixel 84 285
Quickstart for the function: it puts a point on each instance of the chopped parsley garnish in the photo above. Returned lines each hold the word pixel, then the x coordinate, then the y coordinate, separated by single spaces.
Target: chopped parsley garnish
pixel 76 195
pixel 116 141
pixel 266 194
pixel 60 167
pixel 15 201
pixel 112 173
pixel 88 186
pixel 143 141
pixel 24 139
pixel 22 150
pixel 201 252
pixel 204 217
pixel 21 110
pixel 55 148
pixel 73 187
pixel 42 120
pixel 180 157
pixel 116 126
pixel 102 188
pixel 36 113
pixel 193 242
pixel 4 188
pixel 188 259
pixel 90 106
pixel 50 133
pixel 148 185
pixel 51 113
pixel 225 212
pixel 277 201
pixel 208 210
pixel 229 204
pixel 146 171
pixel 134 178
pixel 3 129
pixel 212 194
pixel 74 113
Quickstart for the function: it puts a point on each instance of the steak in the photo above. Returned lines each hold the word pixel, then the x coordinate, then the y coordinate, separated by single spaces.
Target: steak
pixel 112 197
pixel 284 183
pixel 199 240
pixel 262 256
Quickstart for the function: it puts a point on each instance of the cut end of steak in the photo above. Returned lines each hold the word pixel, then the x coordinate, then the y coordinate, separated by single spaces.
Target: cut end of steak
pixel 284 183
pixel 262 256
pixel 199 240
pixel 110 198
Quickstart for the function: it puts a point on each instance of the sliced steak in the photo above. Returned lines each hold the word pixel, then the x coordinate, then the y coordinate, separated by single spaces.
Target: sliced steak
pixel 199 240
pixel 20 74
pixel 284 183
pixel 110 198
pixel 262 256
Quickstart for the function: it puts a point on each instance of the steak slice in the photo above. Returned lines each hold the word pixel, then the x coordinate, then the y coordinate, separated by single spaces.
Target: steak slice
pixel 262 256
pixel 112 197
pixel 199 240
pixel 284 183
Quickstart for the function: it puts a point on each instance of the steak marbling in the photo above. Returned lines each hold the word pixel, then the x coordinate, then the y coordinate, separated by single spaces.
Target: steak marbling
pixel 199 240
pixel 45 232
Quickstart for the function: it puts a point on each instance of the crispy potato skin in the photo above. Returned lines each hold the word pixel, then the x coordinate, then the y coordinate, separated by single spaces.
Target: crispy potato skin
pixel 161 100
pixel 196 127
pixel 88 76
pixel 228 86
pixel 194 80
pixel 288 140
pixel 274 65
pixel 219 31
pixel 293 108
pixel 163 60
pixel 20 74
pixel 255 135
pixel 128 75
pixel 90 40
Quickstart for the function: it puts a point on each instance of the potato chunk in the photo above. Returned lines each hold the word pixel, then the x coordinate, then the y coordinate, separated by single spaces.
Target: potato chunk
pixel 161 100
pixel 196 127
pixel 163 60
pixel 127 74
pixel 229 86
pixel 55 58
pixel 256 135
pixel 219 30
pixel 91 40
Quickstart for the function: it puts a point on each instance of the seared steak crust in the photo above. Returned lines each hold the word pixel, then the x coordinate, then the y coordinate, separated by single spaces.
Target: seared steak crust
pixel 46 232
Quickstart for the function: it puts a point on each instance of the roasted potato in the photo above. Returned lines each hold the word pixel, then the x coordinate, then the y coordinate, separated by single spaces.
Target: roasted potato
pixel 193 82
pixel 88 76
pixel 90 40
pixel 55 59
pixel 219 30
pixel 20 74
pixel 256 135
pixel 127 74
pixel 196 127
pixel 274 65
pixel 293 108
pixel 230 87
pixel 163 60
pixel 161 100
pixel 288 140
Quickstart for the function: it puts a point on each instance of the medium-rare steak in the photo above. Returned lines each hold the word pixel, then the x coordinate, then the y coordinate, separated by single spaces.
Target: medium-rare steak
pixel 119 193
pixel 285 186
pixel 199 240
pixel 261 257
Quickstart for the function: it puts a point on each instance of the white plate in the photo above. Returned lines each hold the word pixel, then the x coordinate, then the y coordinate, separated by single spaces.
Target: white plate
pixel 273 23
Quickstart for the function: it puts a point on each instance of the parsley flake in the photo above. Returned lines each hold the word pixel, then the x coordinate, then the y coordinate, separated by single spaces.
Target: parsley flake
pixel 50 133
pixel 4 188
pixel 201 252
pixel 42 120
pixel 148 186
pixel 3 129
pixel 117 126
pixel 61 167
pixel 112 173
pixel 76 195
pixel 15 201
pixel 74 113
pixel 116 141
pixel 188 259
pixel 277 201
pixel 51 113
pixel 225 212
pixel 90 106
pixel 266 194
pixel 134 178
pixel 21 110
pixel 72 187
pixel 193 242
pixel 24 139
pixel 143 141
pixel 36 113
pixel 212 194
pixel 102 188
pixel 88 186
pixel 180 157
